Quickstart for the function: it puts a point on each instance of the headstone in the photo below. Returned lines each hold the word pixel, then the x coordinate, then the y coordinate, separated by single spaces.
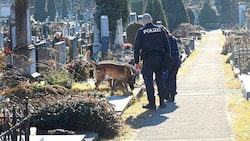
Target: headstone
pixel 25 61
pixel 42 56
pixel 191 44
pixel 1 39
pixel 73 47
pixel 242 8
pixel 104 33
pixel 119 33
pixel 32 59
pixel 96 46
pixel 65 30
pixel 60 54
pixel 80 44
pixel 187 48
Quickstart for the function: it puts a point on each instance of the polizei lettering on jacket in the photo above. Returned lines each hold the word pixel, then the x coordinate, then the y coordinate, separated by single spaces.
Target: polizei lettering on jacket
pixel 151 30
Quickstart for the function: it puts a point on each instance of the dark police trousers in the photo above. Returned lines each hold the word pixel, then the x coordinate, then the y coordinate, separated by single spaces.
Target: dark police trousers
pixel 152 65
pixel 172 72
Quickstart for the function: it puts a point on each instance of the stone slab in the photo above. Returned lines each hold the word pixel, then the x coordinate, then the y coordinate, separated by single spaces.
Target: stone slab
pixel 137 92
pixel 120 102
pixel 245 85
pixel 85 137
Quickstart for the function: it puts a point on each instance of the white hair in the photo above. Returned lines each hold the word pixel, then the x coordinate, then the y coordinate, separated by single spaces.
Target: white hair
pixel 146 18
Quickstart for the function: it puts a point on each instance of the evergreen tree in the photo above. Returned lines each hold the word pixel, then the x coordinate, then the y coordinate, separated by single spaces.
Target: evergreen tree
pixel 234 13
pixel 114 9
pixel 207 14
pixel 39 13
pixel 44 8
pixel 136 6
pixel 51 9
pixel 225 11
pixel 191 15
pixel 64 9
pixel 176 13
pixel 154 7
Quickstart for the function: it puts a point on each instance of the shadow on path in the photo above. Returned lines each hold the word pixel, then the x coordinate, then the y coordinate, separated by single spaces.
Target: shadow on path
pixel 151 117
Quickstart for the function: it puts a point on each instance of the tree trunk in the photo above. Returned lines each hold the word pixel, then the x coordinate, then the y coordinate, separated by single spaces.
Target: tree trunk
pixel 21 22
pixel 21 52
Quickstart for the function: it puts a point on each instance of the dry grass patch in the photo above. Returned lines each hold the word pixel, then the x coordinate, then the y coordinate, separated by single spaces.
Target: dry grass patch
pixel 231 80
pixel 240 109
pixel 238 106
pixel 104 88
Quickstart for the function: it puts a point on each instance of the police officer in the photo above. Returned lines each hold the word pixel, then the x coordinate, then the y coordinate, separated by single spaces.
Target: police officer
pixel 151 43
pixel 173 70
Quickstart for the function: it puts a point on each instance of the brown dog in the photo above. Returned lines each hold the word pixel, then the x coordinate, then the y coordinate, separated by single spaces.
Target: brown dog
pixel 112 71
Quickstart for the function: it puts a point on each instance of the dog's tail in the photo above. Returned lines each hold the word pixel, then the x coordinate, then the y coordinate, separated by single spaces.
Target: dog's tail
pixel 87 58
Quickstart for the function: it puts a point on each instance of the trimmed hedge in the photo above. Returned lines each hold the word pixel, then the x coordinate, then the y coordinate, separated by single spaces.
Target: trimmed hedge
pixel 83 113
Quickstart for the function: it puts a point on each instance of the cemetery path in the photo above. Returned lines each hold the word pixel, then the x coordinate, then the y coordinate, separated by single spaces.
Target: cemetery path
pixel 199 112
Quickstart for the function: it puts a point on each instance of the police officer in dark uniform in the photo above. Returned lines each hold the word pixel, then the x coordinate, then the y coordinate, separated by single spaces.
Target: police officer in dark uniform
pixel 151 43
pixel 173 70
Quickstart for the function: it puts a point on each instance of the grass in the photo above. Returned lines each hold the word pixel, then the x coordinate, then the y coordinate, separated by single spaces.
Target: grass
pixel 240 109
pixel 238 106
pixel 104 88
pixel 231 80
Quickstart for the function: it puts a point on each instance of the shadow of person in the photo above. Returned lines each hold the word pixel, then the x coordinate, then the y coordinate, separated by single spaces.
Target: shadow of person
pixel 151 117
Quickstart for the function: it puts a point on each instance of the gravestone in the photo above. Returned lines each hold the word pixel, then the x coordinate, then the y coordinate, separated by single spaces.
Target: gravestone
pixel 1 39
pixel 24 59
pixel 96 45
pixel 80 45
pixel 32 59
pixel 42 56
pixel 73 47
pixel 187 48
pixel 60 55
pixel 104 36
pixel 191 44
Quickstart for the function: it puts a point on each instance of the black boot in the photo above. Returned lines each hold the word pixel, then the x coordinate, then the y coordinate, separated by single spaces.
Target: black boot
pixel 162 103
pixel 171 98
pixel 150 105
pixel 166 97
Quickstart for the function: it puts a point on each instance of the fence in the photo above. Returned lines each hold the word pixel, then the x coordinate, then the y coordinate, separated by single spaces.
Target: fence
pixel 241 54
pixel 15 127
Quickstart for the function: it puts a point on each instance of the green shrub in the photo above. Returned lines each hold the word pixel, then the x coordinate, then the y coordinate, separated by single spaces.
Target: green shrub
pixel 79 68
pixel 60 77
pixel 83 113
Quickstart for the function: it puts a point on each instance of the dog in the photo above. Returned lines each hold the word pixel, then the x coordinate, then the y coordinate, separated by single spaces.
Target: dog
pixel 113 72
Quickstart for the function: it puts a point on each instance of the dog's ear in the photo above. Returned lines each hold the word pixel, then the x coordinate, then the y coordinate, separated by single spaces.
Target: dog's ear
pixel 87 58
pixel 87 55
